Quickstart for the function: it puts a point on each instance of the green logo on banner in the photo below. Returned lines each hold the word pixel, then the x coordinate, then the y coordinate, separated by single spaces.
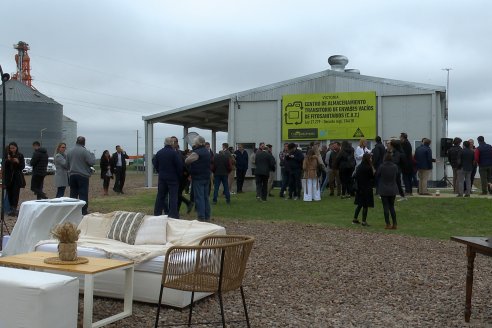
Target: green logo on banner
pixel 358 133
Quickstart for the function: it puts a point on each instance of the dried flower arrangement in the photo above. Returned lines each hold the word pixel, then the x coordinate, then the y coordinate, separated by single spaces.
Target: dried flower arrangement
pixel 66 232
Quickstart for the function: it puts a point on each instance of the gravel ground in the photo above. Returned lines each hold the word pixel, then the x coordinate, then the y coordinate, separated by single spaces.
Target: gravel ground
pixel 313 276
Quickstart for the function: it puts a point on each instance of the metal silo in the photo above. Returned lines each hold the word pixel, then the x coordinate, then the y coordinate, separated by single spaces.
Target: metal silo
pixel 31 116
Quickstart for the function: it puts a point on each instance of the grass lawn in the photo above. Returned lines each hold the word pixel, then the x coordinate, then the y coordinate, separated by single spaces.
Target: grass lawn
pixel 430 217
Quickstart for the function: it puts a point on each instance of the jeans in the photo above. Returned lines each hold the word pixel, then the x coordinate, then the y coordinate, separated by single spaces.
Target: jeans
pixel 240 174
pixel 407 180
pixel 389 207
pixel 79 188
pixel 167 190
pixel 295 184
pixel 119 179
pixel 262 186
pixel 37 182
pixel 423 178
pixel 463 177
pixel 285 181
pixel 202 204
pixel 485 177
pixel 218 179
pixel 60 192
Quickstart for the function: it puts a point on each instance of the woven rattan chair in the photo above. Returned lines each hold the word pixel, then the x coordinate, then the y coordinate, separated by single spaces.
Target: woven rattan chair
pixel 216 265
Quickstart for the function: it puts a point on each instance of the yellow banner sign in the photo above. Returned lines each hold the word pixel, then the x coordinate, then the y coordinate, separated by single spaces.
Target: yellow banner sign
pixel 333 116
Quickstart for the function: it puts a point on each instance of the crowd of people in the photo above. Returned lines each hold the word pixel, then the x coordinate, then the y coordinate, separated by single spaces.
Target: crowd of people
pixel 392 169
pixel 73 169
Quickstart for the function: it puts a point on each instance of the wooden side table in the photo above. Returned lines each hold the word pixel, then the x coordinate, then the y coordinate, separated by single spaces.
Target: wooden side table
pixel 95 266
pixel 474 245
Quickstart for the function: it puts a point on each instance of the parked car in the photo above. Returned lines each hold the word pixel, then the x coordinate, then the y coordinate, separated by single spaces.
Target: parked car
pixel 28 168
pixel 51 166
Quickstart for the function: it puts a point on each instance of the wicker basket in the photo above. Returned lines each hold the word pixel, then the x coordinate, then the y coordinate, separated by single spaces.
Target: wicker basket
pixel 67 251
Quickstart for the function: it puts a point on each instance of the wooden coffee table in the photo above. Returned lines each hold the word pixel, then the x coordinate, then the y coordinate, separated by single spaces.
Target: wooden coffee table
pixel 474 245
pixel 95 266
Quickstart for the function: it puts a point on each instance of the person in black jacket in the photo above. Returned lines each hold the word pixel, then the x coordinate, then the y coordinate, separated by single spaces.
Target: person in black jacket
pixel 388 189
pixel 13 178
pixel 454 154
pixel 293 161
pixel 465 168
pixel 106 170
pixel 265 162
pixel 378 153
pixel 399 158
pixel 345 162
pixel 364 175
pixel 118 164
pixel 407 165
pixel 39 163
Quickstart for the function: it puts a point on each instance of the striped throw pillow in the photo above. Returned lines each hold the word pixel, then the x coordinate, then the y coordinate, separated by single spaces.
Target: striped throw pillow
pixel 125 226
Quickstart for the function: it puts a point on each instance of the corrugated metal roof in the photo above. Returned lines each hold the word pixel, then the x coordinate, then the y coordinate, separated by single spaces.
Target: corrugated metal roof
pixel 321 82
pixel 17 91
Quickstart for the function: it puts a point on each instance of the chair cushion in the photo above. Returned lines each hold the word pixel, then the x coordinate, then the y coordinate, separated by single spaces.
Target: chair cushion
pixel 125 226
pixel 152 231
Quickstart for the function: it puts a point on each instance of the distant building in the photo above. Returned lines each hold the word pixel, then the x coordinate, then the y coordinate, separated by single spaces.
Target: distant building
pixel 32 116
pixel 335 104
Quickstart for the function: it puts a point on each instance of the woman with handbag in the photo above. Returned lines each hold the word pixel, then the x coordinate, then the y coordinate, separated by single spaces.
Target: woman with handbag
pixel 364 177
pixel 13 178
pixel 106 170
pixel 61 173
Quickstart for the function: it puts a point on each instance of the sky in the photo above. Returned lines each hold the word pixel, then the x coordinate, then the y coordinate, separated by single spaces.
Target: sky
pixel 110 62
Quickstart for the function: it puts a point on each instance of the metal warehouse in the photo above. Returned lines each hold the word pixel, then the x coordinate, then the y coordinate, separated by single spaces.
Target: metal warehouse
pixel 335 104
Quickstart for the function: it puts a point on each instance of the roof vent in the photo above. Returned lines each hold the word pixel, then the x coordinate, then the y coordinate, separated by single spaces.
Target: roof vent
pixel 338 62
pixel 352 70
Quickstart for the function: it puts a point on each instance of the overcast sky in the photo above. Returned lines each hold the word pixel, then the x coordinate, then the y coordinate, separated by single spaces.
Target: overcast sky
pixel 110 62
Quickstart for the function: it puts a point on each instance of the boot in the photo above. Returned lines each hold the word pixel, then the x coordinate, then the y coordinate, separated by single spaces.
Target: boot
pixel 393 227
pixel 388 226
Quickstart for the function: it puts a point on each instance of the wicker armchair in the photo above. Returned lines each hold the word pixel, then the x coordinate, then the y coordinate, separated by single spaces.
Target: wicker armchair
pixel 216 265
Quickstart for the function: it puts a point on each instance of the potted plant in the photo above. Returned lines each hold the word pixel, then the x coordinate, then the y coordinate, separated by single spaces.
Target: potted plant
pixel 67 235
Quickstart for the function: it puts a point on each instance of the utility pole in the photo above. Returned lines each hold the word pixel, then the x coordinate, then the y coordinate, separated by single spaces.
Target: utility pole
pixel 137 142
pixel 446 110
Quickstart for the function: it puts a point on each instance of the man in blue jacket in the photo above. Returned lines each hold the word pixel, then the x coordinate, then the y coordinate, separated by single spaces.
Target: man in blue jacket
pixel 483 157
pixel 242 160
pixel 199 162
pixel 169 166
pixel 423 157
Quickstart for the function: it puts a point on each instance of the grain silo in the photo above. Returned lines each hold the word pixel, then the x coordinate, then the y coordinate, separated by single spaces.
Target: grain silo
pixel 31 116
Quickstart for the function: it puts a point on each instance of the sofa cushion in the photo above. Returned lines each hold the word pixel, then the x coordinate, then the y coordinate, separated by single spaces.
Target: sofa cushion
pixel 152 231
pixel 96 224
pixel 125 226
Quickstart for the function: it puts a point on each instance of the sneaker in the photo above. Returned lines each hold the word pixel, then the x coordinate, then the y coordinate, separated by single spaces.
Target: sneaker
pixel 233 193
pixel 467 195
pixel 355 221
pixel 365 224
pixel 459 195
pixel 402 199
pixel 271 195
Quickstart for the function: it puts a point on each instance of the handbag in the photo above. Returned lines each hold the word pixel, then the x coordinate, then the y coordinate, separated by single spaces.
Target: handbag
pixel 355 186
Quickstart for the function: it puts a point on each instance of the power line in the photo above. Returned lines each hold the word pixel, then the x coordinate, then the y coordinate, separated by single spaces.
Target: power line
pixel 104 94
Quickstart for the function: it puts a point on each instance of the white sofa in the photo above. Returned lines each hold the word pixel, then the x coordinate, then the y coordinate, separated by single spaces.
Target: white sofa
pixel 153 237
